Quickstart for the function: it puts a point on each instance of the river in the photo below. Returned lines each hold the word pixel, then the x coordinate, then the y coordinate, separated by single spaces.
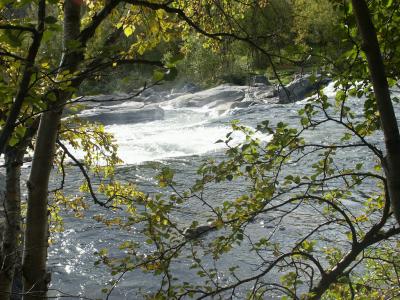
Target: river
pixel 182 139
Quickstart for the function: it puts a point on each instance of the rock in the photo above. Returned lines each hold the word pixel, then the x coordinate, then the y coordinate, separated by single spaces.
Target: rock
pixel 190 88
pixel 155 98
pixel 300 88
pixel 132 112
pixel 174 95
pixel 259 80
pixel 147 92
pixel 214 97
pixel 244 104
pixel 109 100
pixel 192 233
pixel 235 79
pixel 266 93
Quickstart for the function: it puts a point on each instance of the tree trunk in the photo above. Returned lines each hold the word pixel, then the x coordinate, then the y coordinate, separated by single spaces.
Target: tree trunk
pixel 383 99
pixel 35 274
pixel 391 133
pixel 12 230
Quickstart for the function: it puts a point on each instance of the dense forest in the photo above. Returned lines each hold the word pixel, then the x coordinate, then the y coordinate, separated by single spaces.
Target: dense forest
pixel 206 149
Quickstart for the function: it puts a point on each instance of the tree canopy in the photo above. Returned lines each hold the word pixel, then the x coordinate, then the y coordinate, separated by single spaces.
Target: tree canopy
pixel 52 52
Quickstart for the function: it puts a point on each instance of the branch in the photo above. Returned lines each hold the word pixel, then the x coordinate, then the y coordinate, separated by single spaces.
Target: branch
pixel 216 35
pixel 89 31
pixel 33 30
pixel 9 54
pixel 85 174
pixel 97 65
pixel 26 78
pixel 262 274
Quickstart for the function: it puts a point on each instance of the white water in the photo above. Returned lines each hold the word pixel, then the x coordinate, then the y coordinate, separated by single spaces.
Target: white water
pixel 183 132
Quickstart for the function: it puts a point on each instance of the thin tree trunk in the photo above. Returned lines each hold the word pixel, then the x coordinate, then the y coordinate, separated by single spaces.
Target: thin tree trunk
pixel 35 273
pixel 392 139
pixel 383 99
pixel 12 231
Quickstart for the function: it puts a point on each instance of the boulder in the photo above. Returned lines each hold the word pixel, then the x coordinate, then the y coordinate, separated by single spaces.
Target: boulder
pixel 187 87
pixel 266 93
pixel 110 100
pixel 220 94
pixel 190 88
pixel 259 80
pixel 192 233
pixel 244 104
pixel 134 112
pixel 300 88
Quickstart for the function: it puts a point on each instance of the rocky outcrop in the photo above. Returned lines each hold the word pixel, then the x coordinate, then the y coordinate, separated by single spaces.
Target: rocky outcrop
pixel 148 106
pixel 211 98
pixel 259 80
pixel 109 100
pixel 125 113
pixel 300 88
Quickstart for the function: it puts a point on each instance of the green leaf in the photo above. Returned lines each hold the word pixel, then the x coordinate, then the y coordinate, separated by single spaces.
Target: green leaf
pixel 158 75
pixel 50 20
pixel 177 57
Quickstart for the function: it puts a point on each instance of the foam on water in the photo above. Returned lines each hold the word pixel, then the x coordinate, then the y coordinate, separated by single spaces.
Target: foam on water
pixel 183 132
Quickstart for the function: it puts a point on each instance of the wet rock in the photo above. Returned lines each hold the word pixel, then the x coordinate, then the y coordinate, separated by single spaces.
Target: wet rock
pixel 109 100
pixel 132 112
pixel 236 79
pixel 190 88
pixel 266 93
pixel 214 97
pixel 244 104
pixel 301 88
pixel 259 80
pixel 259 95
pixel 192 233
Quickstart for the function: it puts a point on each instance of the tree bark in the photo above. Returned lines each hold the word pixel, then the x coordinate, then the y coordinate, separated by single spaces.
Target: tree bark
pixel 12 232
pixel 382 95
pixel 392 140
pixel 35 274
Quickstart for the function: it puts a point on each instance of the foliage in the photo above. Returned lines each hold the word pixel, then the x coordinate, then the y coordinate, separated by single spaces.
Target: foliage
pixel 345 243
pixel 345 237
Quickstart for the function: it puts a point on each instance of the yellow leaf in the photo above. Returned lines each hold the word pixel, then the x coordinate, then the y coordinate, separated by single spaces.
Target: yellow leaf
pixel 129 30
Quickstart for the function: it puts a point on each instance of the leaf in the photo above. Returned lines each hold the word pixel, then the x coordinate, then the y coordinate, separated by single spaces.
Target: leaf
pixel 128 31
pixel 50 20
pixel 158 75
pixel 13 141
pixel 175 58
